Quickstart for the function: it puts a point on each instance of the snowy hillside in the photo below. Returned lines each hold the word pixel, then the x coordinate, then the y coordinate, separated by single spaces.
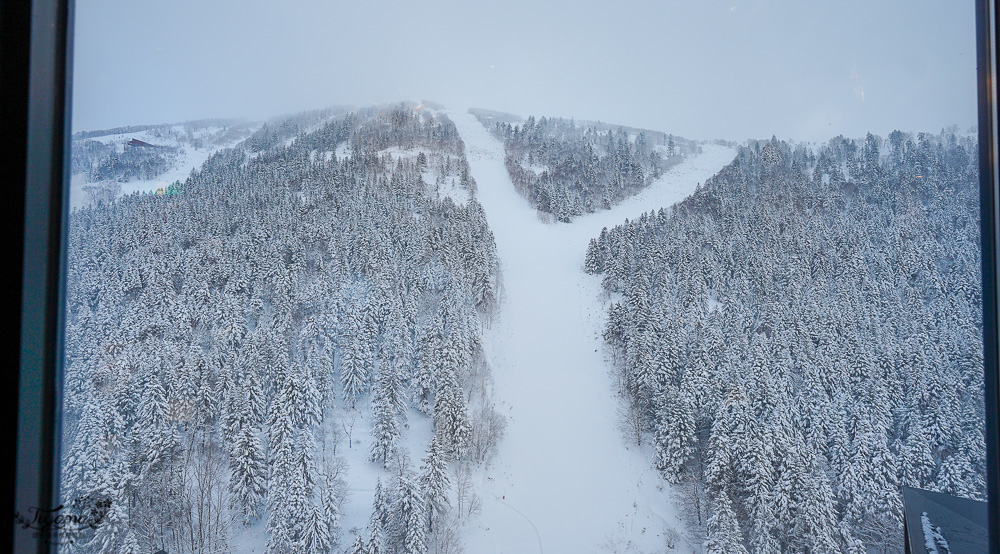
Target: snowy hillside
pixel 802 338
pixel 109 164
pixel 353 331
pixel 565 480
pixel 270 343
pixel 566 168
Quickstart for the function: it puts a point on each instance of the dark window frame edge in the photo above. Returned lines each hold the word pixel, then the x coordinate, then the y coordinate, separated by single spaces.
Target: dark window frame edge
pixel 989 194
pixel 48 27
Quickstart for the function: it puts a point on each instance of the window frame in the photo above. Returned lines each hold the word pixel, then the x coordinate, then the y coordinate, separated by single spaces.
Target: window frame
pixel 36 76
pixel 989 195
pixel 36 72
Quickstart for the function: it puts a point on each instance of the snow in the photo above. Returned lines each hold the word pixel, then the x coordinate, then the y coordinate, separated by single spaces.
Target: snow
pixel 565 479
pixel 188 158
pixel 362 474
pixel 347 433
pixel 343 151
pixel 534 168
pixel 933 537
pixel 451 187
pixel 451 184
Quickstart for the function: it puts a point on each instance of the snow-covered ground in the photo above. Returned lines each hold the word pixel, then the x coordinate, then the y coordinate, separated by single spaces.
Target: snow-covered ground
pixel 565 479
pixel 188 158
pixel 354 443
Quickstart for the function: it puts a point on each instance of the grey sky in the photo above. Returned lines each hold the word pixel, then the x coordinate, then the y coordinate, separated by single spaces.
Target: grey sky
pixel 734 69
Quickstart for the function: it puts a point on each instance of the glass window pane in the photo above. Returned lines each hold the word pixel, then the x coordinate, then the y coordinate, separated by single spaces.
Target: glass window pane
pixel 658 278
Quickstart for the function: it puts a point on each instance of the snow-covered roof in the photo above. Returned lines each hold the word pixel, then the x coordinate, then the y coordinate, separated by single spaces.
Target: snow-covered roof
pixel 937 523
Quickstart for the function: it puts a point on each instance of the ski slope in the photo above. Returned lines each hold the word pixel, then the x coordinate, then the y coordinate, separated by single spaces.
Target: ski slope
pixel 188 159
pixel 565 479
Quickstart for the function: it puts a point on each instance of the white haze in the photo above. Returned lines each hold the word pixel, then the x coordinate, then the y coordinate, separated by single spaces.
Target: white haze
pixel 707 69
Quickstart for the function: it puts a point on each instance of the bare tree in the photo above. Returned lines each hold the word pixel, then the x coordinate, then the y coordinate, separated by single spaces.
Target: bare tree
pixel 630 419
pixel 205 520
pixel 102 193
pixel 467 502
pixel 488 427
pixel 446 538
pixel 348 423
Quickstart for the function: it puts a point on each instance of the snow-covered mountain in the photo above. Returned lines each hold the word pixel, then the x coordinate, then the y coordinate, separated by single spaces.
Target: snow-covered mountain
pixel 264 344
pixel 566 168
pixel 406 328
pixel 802 337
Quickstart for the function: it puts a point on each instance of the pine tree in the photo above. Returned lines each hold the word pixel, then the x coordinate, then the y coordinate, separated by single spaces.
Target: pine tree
pixel 159 437
pixel 409 525
pixel 111 535
pixel 131 544
pixel 315 535
pixel 359 546
pixel 184 385
pixel 385 405
pixel 282 435
pixel 593 262
pixel 353 372
pixel 311 398
pixel 330 512
pixel 759 490
pixel 429 364
pixel 434 482
pixel 380 509
pixel 724 535
pixel 375 543
pixel 674 439
pixel 451 419
pixel 249 474
pixel 300 486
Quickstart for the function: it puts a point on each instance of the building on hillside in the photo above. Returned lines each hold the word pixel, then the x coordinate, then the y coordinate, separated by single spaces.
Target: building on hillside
pixel 139 143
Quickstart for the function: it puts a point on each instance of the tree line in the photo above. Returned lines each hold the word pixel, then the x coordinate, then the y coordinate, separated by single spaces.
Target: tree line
pixel 565 170
pixel 803 336
pixel 218 339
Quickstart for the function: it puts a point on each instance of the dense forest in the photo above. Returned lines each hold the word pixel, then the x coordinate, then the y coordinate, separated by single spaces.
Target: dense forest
pixel 802 337
pixel 99 159
pixel 565 169
pixel 218 338
pixel 108 162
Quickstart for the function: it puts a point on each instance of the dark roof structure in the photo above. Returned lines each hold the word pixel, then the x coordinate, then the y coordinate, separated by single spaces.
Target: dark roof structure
pixel 937 523
pixel 137 142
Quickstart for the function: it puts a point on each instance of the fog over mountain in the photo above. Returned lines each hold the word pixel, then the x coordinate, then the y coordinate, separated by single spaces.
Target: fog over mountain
pixel 730 69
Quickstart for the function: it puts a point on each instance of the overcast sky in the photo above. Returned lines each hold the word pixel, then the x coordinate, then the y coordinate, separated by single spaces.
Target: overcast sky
pixel 702 69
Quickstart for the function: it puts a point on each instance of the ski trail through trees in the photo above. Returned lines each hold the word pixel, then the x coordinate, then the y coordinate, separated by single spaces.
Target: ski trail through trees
pixel 566 479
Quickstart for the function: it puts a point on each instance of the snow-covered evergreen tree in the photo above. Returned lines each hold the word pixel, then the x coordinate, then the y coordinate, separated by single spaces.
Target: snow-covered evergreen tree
pixel 724 535
pixel 408 527
pixel 583 168
pixel 804 330
pixel 386 398
pixel 434 482
pixel 247 485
